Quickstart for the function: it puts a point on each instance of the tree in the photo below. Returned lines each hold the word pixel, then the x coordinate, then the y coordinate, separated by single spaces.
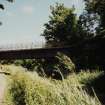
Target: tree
pixel 97 7
pixel 61 29
pixel 2 7
pixel 87 23
pixel 92 21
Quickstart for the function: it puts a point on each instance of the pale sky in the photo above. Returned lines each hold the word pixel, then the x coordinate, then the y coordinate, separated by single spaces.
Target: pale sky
pixel 23 20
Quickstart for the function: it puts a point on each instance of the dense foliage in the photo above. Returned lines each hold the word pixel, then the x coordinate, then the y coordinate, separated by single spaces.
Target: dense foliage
pixel 27 88
pixel 58 67
pixel 62 28
pixel 97 7
pixel 85 33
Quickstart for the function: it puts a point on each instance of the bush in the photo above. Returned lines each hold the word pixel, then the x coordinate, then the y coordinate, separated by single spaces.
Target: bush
pixel 65 63
pixel 58 67
pixel 29 89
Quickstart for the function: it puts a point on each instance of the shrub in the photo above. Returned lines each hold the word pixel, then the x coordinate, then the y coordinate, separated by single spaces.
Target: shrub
pixel 58 67
pixel 29 89
pixel 65 63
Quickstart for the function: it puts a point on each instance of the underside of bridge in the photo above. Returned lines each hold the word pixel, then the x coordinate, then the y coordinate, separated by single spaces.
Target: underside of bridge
pixel 32 53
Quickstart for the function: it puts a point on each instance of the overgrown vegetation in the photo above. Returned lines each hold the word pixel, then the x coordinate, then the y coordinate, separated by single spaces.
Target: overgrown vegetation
pixel 27 88
pixel 58 67
pixel 83 88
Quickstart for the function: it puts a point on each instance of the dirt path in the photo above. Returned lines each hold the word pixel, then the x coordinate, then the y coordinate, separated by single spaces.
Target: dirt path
pixel 2 87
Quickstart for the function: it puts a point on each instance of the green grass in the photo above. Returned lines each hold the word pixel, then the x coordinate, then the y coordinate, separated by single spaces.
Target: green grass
pixel 27 88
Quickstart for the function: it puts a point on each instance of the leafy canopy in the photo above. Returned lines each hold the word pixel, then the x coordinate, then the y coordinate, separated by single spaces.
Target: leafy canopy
pixel 61 28
pixel 2 6
pixel 97 7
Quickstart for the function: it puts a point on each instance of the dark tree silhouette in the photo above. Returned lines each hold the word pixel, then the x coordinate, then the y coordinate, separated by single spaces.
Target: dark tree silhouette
pixel 97 7
pixel 61 29
pixel 2 7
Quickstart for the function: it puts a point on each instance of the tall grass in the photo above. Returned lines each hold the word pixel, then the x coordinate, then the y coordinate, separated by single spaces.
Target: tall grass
pixel 27 88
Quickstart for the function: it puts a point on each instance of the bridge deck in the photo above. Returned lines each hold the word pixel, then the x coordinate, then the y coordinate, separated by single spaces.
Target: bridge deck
pixel 31 53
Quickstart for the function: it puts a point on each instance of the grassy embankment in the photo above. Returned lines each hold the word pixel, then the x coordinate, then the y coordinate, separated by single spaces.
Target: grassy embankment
pixel 27 88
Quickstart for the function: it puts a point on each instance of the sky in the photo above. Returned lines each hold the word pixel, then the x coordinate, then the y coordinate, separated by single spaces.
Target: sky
pixel 23 20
